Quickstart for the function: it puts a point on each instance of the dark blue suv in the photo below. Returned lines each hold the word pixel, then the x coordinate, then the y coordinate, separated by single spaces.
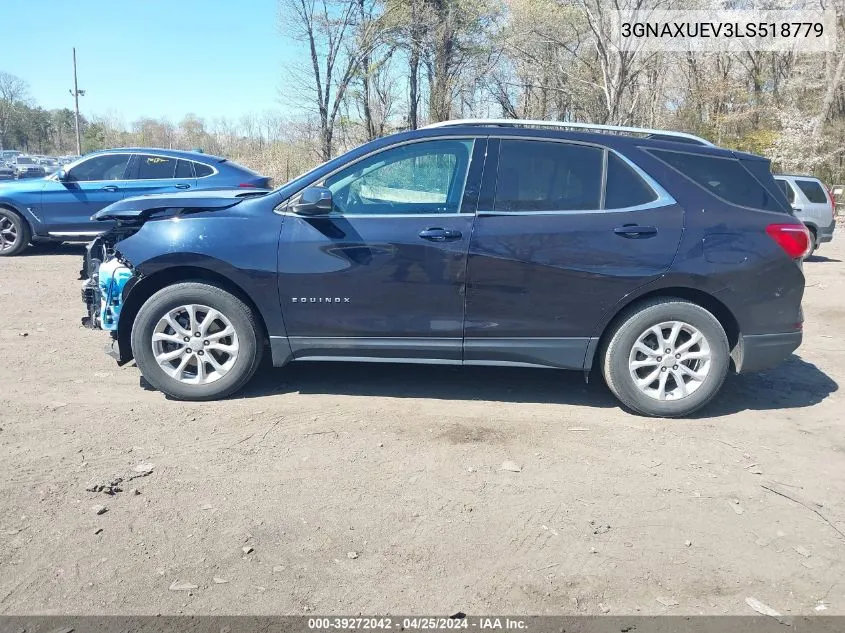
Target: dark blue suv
pixel 654 257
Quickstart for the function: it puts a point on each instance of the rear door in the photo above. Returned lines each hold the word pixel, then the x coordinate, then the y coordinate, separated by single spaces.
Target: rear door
pixel 90 185
pixel 564 231
pixel 160 174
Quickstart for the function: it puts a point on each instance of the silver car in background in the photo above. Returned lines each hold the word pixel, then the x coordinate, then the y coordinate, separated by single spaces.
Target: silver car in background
pixel 812 203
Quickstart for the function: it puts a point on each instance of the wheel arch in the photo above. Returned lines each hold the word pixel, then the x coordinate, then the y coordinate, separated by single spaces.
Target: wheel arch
pixel 145 287
pixel 702 298
pixel 10 207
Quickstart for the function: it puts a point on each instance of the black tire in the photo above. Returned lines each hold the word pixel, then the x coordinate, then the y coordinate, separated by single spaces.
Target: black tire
pixel 243 320
pixel 23 234
pixel 814 242
pixel 635 322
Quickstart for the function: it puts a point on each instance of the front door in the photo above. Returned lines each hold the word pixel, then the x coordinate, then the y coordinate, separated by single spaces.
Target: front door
pixel 91 185
pixel 565 232
pixel 383 275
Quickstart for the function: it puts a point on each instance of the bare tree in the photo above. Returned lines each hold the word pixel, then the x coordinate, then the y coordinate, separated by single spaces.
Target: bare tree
pixel 329 28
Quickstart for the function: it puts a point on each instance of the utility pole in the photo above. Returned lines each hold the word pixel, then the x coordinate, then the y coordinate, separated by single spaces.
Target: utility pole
pixel 76 92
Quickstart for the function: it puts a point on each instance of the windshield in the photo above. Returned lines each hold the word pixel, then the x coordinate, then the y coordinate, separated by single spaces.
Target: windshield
pixel 25 161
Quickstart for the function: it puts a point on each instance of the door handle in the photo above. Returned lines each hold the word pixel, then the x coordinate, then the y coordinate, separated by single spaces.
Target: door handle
pixel 635 231
pixel 109 188
pixel 183 186
pixel 438 234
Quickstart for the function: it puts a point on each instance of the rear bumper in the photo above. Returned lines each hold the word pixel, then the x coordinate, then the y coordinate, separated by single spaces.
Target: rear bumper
pixel 826 232
pixel 763 351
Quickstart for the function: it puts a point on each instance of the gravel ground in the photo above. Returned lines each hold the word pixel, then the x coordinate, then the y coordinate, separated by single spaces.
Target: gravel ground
pixel 344 488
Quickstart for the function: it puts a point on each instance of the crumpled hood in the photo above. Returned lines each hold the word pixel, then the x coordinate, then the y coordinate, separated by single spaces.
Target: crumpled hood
pixel 142 207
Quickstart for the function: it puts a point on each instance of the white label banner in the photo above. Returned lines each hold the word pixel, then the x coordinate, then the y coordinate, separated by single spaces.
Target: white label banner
pixel 811 31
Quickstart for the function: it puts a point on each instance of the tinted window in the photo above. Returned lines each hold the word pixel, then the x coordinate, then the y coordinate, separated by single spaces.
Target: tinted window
pixel 202 170
pixel 426 177
pixel 723 177
pixel 788 191
pixel 155 167
pixel 625 187
pixel 109 167
pixel 184 169
pixel 812 190
pixel 25 161
pixel 548 176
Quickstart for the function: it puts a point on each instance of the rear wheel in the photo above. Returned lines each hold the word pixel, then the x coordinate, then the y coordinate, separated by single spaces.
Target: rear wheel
pixel 666 358
pixel 195 341
pixel 14 233
pixel 814 242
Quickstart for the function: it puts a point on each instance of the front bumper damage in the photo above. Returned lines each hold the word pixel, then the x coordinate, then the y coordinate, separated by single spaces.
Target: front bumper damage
pixel 107 279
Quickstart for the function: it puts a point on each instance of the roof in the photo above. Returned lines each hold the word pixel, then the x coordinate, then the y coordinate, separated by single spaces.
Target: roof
pixel 173 153
pixel 796 176
pixel 669 135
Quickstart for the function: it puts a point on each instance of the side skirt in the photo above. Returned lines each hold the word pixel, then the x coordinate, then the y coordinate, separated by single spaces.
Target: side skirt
pixel 557 353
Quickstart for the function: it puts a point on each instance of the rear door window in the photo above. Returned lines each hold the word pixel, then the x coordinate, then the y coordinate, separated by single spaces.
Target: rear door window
pixel 813 190
pixel 625 188
pixel 184 169
pixel 155 167
pixel 548 176
pixel 725 178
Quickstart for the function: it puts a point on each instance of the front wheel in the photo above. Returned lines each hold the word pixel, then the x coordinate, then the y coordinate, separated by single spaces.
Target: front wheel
pixel 666 358
pixel 14 233
pixel 195 341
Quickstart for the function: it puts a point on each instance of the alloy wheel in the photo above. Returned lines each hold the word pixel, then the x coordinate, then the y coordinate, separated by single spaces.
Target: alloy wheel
pixel 8 233
pixel 195 344
pixel 670 360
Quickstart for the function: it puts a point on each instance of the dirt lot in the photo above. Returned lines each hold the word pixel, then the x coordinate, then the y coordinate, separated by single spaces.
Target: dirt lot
pixel 379 489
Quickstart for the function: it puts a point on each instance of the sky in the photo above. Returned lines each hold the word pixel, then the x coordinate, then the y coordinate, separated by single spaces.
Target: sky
pixel 151 58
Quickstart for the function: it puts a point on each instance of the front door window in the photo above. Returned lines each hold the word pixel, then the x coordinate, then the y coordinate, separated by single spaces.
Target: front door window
pixel 412 179
pixel 105 167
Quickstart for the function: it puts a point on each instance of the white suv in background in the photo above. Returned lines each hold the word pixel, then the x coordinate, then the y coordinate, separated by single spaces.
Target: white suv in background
pixel 812 203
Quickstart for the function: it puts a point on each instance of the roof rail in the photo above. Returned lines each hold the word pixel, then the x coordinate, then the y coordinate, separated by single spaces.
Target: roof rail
pixel 569 125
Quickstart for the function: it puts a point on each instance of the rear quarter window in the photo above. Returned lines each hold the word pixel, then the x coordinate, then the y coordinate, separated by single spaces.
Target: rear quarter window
pixel 725 178
pixel 202 170
pixel 813 190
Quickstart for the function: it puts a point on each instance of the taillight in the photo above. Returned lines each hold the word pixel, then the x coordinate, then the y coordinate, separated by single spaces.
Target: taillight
pixel 794 239
pixel 832 199
pixel 247 185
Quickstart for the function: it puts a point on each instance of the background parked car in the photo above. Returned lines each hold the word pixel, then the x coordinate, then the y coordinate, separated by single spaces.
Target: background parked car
pixel 27 167
pixel 59 208
pixel 50 165
pixel 8 155
pixel 812 203
pixel 6 171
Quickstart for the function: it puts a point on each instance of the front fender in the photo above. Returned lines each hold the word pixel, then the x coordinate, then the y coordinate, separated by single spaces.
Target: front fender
pixel 25 209
pixel 242 248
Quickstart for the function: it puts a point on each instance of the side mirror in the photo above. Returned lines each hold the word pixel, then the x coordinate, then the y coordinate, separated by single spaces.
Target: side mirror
pixel 314 201
pixel 61 175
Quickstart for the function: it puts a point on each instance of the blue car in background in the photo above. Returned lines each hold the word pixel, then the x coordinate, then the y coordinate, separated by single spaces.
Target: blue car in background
pixel 59 208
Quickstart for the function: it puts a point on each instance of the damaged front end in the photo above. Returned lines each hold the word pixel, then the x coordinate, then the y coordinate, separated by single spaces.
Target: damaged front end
pixel 106 275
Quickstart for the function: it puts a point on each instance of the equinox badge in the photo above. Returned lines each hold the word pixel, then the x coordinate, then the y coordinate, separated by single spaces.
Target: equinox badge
pixel 319 299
